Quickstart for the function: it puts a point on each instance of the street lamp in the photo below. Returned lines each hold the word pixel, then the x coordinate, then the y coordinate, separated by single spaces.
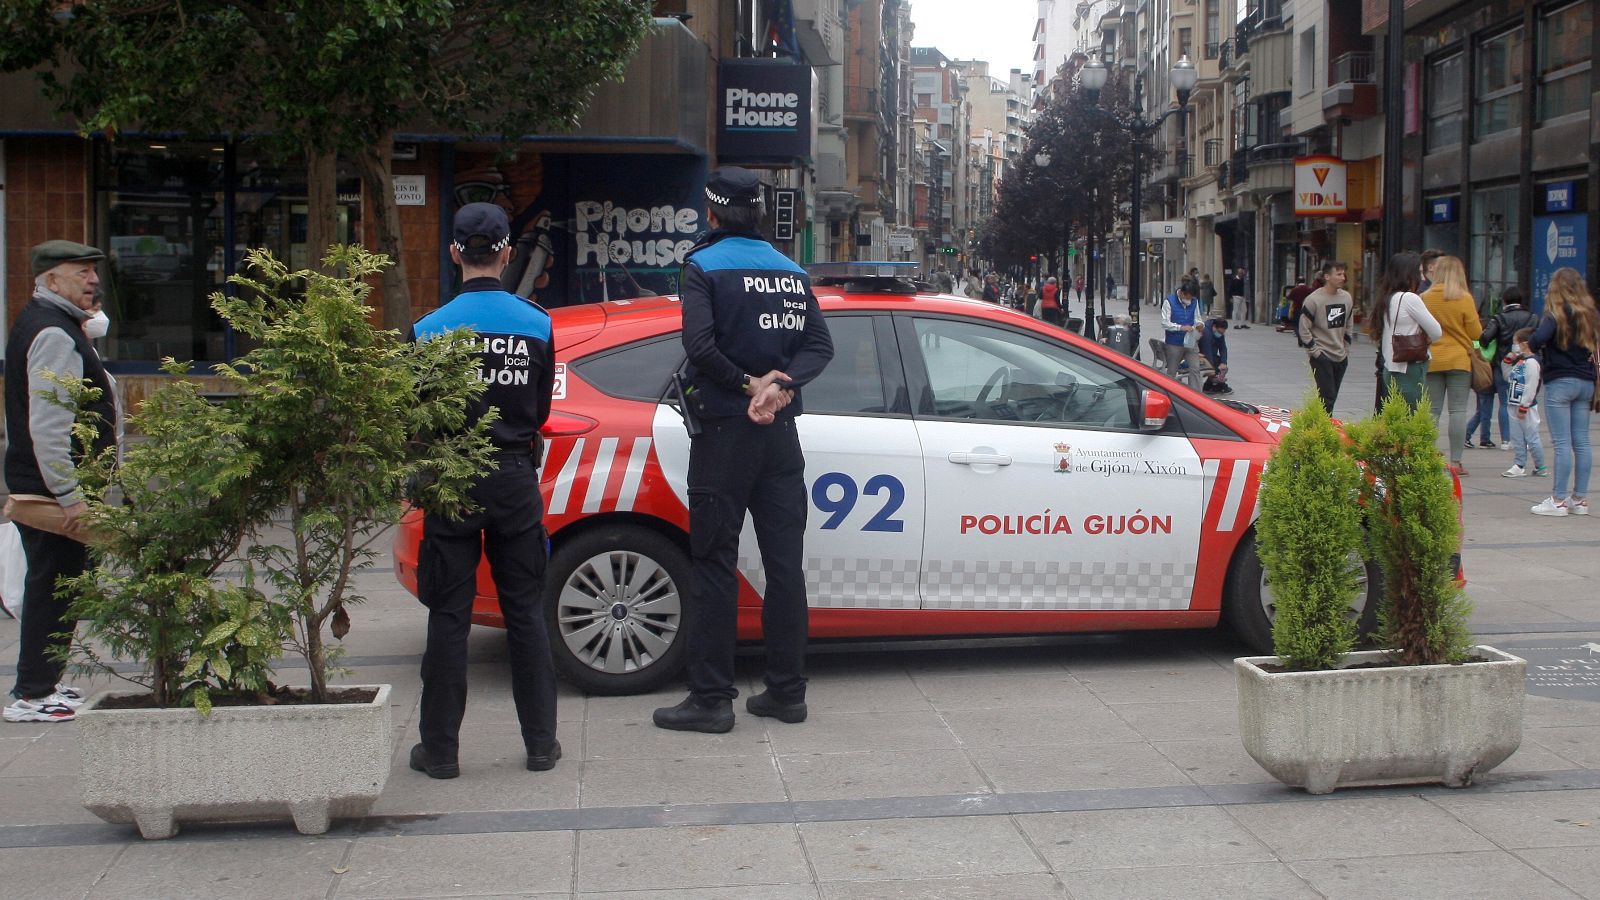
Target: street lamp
pixel 1183 77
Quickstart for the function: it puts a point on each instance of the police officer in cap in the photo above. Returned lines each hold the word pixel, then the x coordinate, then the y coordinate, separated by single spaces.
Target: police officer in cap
pixel 517 363
pixel 755 336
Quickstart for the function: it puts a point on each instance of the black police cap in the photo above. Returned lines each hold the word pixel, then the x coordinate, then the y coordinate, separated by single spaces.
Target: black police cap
pixel 481 226
pixel 733 187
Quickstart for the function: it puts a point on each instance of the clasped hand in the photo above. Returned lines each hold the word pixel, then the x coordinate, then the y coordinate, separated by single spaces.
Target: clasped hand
pixel 767 396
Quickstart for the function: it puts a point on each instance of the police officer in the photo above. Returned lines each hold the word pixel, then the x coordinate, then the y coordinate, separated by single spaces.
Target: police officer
pixel 754 336
pixel 516 361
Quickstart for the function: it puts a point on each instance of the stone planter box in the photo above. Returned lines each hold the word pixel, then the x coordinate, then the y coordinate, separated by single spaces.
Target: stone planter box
pixel 159 767
pixel 1386 725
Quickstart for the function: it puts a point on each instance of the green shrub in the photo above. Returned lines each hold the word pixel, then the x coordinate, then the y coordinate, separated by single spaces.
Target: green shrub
pixel 1308 533
pixel 1414 530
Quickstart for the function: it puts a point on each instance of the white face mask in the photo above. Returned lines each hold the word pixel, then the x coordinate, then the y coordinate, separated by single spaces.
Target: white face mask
pixel 97 326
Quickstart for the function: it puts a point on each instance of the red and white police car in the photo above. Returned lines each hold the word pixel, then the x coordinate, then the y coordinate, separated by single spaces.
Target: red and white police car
pixel 971 471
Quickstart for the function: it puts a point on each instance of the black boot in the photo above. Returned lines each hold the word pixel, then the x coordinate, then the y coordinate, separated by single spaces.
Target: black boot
pixel 422 762
pixel 544 759
pixel 764 704
pixel 709 716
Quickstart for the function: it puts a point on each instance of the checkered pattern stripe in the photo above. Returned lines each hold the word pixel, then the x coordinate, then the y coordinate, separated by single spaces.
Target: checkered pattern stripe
pixel 849 583
pixel 1070 585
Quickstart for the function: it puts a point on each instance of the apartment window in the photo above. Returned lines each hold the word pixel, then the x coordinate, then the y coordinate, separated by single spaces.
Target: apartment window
pixel 1564 49
pixel 1444 101
pixel 924 101
pixel 1306 79
pixel 1497 84
pixel 1493 257
pixel 1185 42
pixel 1213 28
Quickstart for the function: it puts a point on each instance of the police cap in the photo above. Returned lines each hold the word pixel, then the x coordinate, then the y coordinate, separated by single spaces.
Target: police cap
pixel 50 254
pixel 733 187
pixel 481 226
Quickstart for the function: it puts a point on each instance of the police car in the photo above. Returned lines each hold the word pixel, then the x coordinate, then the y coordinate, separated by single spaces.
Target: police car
pixel 971 471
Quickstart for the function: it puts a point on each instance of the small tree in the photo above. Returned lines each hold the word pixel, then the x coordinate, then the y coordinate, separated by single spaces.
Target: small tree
pixel 1414 530
pixel 1308 533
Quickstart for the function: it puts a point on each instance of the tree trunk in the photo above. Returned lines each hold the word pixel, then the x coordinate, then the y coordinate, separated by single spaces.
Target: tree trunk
pixel 322 202
pixel 377 174
pixel 316 659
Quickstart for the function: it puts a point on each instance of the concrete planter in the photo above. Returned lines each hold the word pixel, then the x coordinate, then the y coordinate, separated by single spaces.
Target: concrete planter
pixel 1394 724
pixel 159 767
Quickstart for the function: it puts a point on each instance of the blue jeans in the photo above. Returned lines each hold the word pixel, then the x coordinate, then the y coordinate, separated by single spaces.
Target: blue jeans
pixel 1485 411
pixel 1525 440
pixel 1566 406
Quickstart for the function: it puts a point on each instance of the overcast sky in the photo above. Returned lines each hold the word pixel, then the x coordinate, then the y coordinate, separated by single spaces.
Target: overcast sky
pixel 998 31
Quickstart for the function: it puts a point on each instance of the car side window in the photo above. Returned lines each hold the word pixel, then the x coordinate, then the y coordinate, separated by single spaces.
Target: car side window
pixel 991 374
pixel 853 381
pixel 637 371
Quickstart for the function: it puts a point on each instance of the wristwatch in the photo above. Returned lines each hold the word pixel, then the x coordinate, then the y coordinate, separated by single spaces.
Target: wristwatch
pixel 744 383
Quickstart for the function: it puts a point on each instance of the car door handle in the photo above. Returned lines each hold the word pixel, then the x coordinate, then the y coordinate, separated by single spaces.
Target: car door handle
pixel 980 459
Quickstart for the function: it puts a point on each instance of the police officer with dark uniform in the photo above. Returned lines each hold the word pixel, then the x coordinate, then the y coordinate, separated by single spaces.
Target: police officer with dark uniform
pixel 755 336
pixel 516 361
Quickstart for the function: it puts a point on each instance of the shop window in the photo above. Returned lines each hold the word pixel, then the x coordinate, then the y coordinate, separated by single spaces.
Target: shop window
pixel 1444 101
pixel 1565 41
pixel 1492 259
pixel 1497 84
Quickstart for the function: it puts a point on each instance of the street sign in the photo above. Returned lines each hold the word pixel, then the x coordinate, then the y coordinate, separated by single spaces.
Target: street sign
pixel 902 241
pixel 783 213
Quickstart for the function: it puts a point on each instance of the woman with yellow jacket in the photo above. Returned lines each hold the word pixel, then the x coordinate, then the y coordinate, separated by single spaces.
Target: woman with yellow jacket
pixel 1449 380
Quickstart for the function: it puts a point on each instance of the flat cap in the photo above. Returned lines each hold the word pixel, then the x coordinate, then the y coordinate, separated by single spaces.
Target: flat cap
pixel 481 226
pixel 734 187
pixel 48 255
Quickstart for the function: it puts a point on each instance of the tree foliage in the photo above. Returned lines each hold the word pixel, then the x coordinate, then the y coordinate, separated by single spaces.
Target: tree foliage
pixel 1310 540
pixel 313 79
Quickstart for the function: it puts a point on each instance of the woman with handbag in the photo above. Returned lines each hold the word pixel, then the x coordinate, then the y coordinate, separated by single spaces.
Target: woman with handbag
pixel 1450 375
pixel 1566 340
pixel 1403 328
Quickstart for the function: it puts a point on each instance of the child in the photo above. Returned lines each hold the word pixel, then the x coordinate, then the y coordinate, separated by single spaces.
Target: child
pixel 1522 395
pixel 1214 347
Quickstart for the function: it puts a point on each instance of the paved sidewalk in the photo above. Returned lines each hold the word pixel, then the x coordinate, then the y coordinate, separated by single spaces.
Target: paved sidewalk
pixel 1085 767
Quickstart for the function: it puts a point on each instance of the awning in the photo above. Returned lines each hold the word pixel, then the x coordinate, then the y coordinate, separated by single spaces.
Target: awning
pixel 1171 230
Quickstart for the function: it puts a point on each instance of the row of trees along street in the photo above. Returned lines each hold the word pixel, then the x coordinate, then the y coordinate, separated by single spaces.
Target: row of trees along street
pixel 314 81
pixel 1076 167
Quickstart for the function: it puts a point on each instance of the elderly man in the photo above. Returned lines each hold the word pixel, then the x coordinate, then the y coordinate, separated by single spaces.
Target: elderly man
pixel 47 344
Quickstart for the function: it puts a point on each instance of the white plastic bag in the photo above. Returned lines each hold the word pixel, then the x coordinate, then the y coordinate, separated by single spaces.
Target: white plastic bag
pixel 13 570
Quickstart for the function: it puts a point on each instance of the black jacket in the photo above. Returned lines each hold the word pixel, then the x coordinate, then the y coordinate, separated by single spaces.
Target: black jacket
pixel 1556 361
pixel 1504 325
pixel 747 310
pixel 23 408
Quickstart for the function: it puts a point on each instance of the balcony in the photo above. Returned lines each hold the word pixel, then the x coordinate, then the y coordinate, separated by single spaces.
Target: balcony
pixel 1352 92
pixel 1352 68
pixel 817 29
pixel 1266 168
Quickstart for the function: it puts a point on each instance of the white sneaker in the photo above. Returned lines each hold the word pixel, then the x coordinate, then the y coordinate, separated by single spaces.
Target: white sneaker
pixel 69 695
pixel 44 709
pixel 1505 445
pixel 1579 507
pixel 1550 506
pixel 1515 472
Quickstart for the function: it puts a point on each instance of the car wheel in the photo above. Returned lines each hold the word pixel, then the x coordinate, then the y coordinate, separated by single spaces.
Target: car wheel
pixel 1249 604
pixel 618 613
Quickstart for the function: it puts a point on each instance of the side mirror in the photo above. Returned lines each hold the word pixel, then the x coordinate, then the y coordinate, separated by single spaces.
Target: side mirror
pixel 1157 407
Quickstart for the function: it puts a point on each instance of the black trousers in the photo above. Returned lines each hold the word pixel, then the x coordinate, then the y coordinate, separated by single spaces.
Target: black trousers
pixel 1328 373
pixel 46 625
pixel 735 465
pixel 508 527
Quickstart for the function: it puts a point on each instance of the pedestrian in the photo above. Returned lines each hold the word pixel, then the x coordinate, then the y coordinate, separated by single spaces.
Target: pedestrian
pixel 1208 296
pixel 1399 313
pixel 507 526
pixel 1119 336
pixel 1180 319
pixel 1323 329
pixel 991 288
pixel 1429 257
pixel 1077 286
pixel 1523 393
pixel 48 345
pixel 1511 317
pixel 1214 347
pixel 755 337
pixel 1050 301
pixel 1111 285
pixel 971 286
pixel 1030 301
pixel 1236 294
pixel 1566 340
pixel 1450 367
pixel 1297 298
pixel 947 284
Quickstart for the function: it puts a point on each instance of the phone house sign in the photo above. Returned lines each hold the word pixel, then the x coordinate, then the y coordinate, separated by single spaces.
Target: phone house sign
pixel 763 112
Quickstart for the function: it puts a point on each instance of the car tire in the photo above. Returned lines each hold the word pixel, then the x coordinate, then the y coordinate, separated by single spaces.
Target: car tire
pixel 1246 598
pixel 618 611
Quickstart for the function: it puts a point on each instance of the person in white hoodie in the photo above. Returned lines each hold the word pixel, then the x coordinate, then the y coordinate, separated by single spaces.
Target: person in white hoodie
pixel 1398 312
pixel 1522 396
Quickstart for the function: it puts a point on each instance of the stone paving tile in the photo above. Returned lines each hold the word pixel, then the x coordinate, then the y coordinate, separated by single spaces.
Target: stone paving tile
pixel 690 857
pixel 848 732
pixel 669 781
pixel 1536 754
pixel 1030 691
pixel 52 753
pixel 1580 744
pixel 494 776
pixel 1214 761
pixel 746 892
pixel 42 874
pixel 1088 721
pixel 458 864
pixel 984 887
pixel 1076 766
pixel 1182 720
pixel 855 693
pixel 44 800
pixel 239 870
pixel 918 848
pixel 1551 712
pixel 1578 868
pixel 1337 827
pixel 898 773
pixel 1198 656
pixel 1532 819
pixel 1243 881
pixel 1158 685
pixel 1490 875
pixel 985 661
pixel 1102 839
pixel 639 739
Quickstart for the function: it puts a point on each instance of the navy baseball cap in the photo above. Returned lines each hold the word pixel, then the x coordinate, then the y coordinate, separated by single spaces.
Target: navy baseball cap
pixel 734 187
pixel 481 226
